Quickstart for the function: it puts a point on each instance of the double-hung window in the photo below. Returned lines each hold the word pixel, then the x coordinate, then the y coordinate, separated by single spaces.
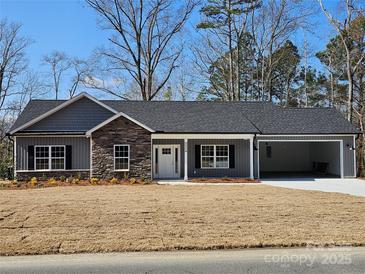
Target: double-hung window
pixel 50 157
pixel 121 157
pixel 215 156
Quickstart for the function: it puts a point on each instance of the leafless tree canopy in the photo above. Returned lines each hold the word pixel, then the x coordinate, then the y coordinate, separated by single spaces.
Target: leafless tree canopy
pixel 144 41
pixel 12 58
pixel 57 63
pixel 353 61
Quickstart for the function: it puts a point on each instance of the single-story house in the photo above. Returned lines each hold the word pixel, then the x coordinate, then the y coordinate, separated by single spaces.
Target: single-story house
pixel 168 139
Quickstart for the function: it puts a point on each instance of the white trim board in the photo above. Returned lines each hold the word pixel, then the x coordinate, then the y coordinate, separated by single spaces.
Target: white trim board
pixel 61 106
pixel 304 135
pixel 300 141
pixel 120 114
pixel 54 170
pixel 202 136
pixel 51 136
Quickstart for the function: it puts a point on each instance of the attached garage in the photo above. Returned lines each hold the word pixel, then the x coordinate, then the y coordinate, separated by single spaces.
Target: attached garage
pixel 315 156
pixel 283 158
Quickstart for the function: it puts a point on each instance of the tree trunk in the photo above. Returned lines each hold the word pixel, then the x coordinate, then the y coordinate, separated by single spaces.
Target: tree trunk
pixel 350 94
pixel 231 78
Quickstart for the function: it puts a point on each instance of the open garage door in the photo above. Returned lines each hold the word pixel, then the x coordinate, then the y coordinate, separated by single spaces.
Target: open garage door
pixel 283 159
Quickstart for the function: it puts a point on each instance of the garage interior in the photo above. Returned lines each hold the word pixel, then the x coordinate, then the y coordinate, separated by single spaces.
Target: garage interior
pixel 299 159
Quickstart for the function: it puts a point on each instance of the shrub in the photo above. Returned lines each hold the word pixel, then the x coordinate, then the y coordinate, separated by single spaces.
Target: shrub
pixel 33 181
pixel 43 177
pixel 62 178
pixel 114 181
pixel 94 180
pixel 78 176
pixel 142 179
pixel 75 181
pixel 52 181
pixel 132 180
pixel 5 185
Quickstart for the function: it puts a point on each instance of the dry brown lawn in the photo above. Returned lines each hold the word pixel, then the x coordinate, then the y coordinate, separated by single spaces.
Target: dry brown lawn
pixel 141 218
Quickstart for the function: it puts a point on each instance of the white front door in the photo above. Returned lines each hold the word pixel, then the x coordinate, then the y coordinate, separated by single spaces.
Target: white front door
pixel 166 161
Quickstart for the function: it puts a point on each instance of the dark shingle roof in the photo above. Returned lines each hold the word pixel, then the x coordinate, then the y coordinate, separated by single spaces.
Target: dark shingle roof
pixel 189 117
pixel 301 121
pixel 217 117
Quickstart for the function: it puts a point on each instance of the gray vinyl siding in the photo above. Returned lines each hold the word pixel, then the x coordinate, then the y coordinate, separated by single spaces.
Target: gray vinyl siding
pixel 242 159
pixel 82 115
pixel 174 142
pixel 348 155
pixel 80 149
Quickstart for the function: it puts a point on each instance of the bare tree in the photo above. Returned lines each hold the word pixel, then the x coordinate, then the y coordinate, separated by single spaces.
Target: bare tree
pixel 271 27
pixel 58 63
pixel 143 44
pixel 80 71
pixel 12 58
pixel 343 28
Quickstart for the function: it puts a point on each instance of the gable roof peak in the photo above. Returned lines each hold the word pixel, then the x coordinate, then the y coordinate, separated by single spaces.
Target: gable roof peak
pixel 61 106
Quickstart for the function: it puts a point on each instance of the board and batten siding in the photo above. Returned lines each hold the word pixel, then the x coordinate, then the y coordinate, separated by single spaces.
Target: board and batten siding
pixel 348 155
pixel 82 115
pixel 242 159
pixel 80 150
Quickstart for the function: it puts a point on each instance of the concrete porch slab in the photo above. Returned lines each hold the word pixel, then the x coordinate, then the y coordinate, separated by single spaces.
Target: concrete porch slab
pixel 185 183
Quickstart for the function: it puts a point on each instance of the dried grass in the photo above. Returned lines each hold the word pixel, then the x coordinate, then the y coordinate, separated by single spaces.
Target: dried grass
pixel 153 217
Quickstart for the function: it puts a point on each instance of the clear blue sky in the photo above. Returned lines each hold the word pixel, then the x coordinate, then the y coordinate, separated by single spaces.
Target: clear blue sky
pixel 65 25
pixel 69 26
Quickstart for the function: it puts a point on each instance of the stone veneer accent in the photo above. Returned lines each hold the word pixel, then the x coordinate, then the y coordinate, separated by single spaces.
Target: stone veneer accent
pixel 26 176
pixel 121 131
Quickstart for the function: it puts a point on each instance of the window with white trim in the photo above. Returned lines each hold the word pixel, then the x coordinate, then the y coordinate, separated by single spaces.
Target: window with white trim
pixel 50 157
pixel 215 156
pixel 121 157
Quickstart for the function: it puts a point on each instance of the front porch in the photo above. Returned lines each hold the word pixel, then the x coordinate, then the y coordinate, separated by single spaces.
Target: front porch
pixel 184 156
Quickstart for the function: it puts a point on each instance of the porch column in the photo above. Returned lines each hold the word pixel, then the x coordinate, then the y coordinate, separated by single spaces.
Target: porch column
pixel 185 159
pixel 251 158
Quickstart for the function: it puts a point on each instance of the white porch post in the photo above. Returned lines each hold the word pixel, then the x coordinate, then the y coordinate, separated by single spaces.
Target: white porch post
pixel 185 159
pixel 251 158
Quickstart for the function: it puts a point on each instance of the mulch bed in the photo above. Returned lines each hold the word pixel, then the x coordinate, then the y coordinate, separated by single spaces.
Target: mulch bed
pixel 225 180
pixel 57 183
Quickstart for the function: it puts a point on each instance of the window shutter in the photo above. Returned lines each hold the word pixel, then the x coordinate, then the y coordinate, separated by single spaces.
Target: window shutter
pixel 197 156
pixel 30 157
pixel 231 156
pixel 69 157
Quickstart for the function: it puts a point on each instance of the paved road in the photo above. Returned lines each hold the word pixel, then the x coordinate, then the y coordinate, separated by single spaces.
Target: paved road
pixel 347 186
pixel 336 260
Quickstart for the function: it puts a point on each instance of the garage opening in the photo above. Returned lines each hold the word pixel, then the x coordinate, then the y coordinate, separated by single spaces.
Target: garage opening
pixel 299 159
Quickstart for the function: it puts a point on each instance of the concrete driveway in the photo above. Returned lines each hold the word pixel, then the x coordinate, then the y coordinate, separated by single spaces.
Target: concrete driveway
pixel 354 187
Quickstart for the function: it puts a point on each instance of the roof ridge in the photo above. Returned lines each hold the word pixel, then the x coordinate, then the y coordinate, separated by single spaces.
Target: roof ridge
pixel 179 101
pixel 311 108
